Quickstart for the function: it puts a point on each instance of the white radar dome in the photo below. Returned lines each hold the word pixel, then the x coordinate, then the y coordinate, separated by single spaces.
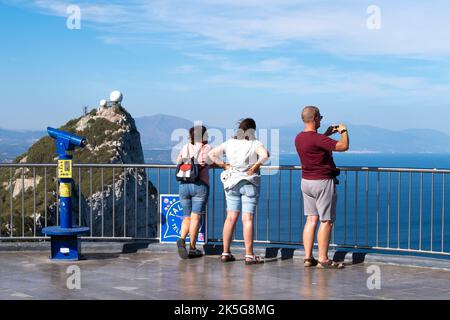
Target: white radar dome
pixel 116 97
pixel 103 103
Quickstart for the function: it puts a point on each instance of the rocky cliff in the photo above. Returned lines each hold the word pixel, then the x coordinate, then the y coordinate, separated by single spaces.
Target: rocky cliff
pixel 113 202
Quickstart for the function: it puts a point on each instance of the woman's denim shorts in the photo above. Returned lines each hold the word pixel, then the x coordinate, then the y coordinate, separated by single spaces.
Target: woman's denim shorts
pixel 244 194
pixel 193 197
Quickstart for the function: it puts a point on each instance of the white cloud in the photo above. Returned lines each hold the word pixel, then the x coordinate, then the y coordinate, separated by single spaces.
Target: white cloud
pixel 287 76
pixel 184 69
pixel 339 27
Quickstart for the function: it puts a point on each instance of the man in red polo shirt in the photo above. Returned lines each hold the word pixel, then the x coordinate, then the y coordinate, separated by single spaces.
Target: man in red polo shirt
pixel 319 183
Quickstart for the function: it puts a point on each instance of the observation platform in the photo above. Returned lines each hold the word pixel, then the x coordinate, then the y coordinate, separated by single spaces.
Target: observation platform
pixel 124 271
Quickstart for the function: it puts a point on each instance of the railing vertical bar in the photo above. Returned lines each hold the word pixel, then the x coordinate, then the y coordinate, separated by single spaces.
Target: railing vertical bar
pixel 170 181
pixel 443 214
pixel 421 211
pixel 158 218
pixel 302 209
pixel 255 225
pixel 45 195
pixel 290 205
pixel 399 207
pixel 378 211
pixel 213 218
pixel 136 202
pixel 1 209
pixel 432 212
pixel 345 207
pixel 124 202
pixel 146 201
pixel 23 202
pixel 389 212
pixel 114 202
pixel 91 191
pixel 34 202
pixel 355 219
pixel 279 205
pixel 409 209
pixel 79 196
pixel 103 204
pixel 268 206
pixel 333 234
pixel 367 208
pixel 11 223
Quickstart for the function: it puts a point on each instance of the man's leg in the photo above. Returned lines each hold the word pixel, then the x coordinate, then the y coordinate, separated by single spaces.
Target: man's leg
pixel 324 239
pixel 308 235
pixel 327 211
pixel 185 226
pixel 247 222
pixel 228 230
pixel 194 228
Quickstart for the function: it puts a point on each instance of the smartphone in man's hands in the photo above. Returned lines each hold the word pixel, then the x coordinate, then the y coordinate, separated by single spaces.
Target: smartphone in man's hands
pixel 331 130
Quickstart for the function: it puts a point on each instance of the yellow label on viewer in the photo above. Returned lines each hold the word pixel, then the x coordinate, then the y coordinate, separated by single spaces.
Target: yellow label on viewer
pixel 65 190
pixel 65 169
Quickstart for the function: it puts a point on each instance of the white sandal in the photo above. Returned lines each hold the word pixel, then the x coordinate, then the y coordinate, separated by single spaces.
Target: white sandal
pixel 254 259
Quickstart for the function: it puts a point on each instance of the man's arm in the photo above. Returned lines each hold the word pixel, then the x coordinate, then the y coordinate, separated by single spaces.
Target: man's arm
pixel 344 144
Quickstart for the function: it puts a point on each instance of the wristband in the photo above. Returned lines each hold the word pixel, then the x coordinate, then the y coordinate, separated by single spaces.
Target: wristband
pixel 343 131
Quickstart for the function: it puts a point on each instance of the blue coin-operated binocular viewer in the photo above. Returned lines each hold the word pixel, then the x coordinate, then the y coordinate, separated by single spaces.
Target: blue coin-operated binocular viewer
pixel 65 241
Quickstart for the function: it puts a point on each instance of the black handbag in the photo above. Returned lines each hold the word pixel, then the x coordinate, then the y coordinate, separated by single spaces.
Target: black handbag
pixel 188 171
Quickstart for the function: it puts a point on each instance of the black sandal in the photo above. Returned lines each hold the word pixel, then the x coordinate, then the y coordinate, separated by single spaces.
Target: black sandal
pixel 330 264
pixel 254 259
pixel 310 262
pixel 227 257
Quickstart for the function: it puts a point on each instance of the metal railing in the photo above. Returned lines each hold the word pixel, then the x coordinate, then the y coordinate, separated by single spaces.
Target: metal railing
pixel 394 209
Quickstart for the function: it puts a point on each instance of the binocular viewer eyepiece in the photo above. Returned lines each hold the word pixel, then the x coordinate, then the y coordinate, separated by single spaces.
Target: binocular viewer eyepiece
pixel 66 141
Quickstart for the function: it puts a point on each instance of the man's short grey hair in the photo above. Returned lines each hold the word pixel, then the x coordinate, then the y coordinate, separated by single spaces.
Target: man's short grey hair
pixel 309 113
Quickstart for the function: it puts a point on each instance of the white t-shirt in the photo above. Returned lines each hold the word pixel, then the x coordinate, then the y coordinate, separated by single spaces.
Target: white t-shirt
pixel 242 155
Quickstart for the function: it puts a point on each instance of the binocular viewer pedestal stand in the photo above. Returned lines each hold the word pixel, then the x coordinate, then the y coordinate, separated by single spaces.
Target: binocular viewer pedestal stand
pixel 65 240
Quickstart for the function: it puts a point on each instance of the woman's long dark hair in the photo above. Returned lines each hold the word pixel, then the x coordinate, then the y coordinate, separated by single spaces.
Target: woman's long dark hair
pixel 198 134
pixel 246 130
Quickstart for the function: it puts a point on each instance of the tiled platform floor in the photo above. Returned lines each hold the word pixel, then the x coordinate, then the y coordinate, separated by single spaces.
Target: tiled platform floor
pixel 151 275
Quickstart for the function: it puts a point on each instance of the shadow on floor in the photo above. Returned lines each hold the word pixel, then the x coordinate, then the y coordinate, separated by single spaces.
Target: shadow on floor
pixel 213 249
pixel 99 256
pixel 286 253
pixel 133 247
pixel 357 257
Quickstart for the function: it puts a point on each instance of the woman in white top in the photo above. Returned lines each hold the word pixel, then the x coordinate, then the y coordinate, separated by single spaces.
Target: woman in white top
pixel 241 180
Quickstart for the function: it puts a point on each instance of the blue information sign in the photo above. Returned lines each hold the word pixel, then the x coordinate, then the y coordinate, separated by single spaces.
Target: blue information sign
pixel 171 219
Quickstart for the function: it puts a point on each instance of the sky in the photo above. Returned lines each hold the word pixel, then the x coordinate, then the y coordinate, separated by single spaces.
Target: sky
pixel 381 63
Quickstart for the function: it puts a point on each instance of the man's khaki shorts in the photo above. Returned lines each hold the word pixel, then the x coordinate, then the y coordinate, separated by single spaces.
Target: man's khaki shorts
pixel 320 198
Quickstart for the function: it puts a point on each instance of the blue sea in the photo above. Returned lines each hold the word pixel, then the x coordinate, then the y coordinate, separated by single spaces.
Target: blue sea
pixel 399 211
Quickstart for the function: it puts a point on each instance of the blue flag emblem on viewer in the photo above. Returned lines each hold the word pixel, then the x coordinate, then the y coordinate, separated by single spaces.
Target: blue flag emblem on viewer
pixel 172 218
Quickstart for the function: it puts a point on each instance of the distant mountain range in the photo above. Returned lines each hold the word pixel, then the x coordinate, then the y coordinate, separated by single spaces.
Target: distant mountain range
pixel 156 133
pixel 13 143
pixel 368 139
